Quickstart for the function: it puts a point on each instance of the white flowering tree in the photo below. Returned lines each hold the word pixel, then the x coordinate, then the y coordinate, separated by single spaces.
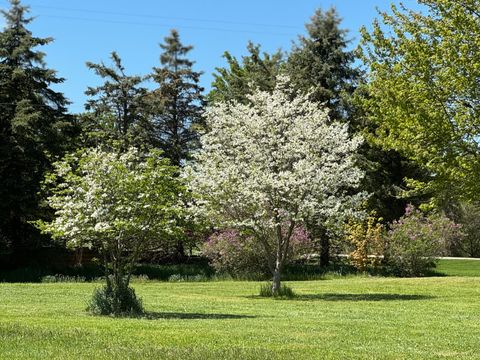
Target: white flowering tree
pixel 270 165
pixel 121 205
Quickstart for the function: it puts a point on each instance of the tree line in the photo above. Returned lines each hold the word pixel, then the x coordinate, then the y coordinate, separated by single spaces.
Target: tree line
pixel 409 90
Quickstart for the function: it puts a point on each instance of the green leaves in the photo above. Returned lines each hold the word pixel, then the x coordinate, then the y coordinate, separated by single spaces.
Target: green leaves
pixel 423 90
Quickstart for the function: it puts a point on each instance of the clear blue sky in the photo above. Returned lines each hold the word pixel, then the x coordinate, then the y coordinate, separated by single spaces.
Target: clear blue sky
pixel 89 30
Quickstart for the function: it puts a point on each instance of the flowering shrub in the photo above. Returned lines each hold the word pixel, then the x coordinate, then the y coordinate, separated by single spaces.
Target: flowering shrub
pixel 238 254
pixel 368 242
pixel 415 241
pixel 120 204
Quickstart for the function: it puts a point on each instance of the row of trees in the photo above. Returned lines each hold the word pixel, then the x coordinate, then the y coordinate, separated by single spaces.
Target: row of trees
pixel 278 150
pixel 36 128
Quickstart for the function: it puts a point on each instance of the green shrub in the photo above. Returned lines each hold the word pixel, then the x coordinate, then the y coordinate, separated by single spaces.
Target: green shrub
pixel 115 300
pixel 415 241
pixel 283 292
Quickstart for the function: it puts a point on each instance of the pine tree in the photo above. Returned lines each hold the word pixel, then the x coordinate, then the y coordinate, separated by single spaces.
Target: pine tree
pixel 177 103
pixel 235 81
pixel 117 110
pixel 33 127
pixel 321 62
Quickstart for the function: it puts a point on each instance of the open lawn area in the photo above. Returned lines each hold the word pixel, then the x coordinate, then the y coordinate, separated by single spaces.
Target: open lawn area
pixel 339 318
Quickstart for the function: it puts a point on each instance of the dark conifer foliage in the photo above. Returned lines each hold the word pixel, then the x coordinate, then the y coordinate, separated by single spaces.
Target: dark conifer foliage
pixel 34 126
pixel 177 103
pixel 257 69
pixel 117 110
pixel 321 63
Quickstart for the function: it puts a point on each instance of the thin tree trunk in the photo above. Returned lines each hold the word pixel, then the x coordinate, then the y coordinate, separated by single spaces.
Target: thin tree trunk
pixel 276 279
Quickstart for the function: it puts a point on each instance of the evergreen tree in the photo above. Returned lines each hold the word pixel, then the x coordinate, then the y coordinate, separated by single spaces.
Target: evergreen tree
pixel 321 63
pixel 235 81
pixel 177 104
pixel 33 127
pixel 117 110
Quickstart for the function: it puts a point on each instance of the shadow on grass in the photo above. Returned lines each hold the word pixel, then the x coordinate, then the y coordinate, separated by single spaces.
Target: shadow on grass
pixel 193 316
pixel 363 297
pixel 352 297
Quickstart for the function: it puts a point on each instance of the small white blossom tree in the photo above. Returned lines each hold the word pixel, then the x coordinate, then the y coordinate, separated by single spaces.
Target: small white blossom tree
pixel 121 205
pixel 269 165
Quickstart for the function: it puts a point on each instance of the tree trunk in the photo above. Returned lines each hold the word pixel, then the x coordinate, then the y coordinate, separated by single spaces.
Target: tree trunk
pixel 276 281
pixel 324 250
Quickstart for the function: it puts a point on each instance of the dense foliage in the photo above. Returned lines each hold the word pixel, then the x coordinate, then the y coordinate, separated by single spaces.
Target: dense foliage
pixel 423 92
pixel 121 205
pixel 34 126
pixel 280 168
pixel 267 166
pixel 415 241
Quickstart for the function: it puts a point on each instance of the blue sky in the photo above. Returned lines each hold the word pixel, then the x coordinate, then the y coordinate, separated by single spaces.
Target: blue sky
pixel 89 30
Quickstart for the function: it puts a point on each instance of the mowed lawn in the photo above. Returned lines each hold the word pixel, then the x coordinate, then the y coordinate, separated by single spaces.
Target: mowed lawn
pixel 344 318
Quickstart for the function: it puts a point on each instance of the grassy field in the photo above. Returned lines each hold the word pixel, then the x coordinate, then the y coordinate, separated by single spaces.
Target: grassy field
pixel 454 267
pixel 344 318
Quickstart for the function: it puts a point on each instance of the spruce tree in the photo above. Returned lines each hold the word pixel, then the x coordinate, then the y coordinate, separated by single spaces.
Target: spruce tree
pixel 322 63
pixel 257 70
pixel 34 126
pixel 177 103
pixel 117 110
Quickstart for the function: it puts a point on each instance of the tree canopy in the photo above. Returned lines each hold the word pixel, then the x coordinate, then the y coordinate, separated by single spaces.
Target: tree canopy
pixel 423 92
pixel 271 164
pixel 34 126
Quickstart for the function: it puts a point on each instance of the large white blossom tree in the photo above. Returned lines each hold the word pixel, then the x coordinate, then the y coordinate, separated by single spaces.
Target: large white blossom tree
pixel 267 166
pixel 121 205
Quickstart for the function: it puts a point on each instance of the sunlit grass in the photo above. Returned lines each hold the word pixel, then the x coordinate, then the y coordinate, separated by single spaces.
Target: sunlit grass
pixel 357 317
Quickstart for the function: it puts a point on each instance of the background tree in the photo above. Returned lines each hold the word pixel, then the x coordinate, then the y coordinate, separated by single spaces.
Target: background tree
pixel 177 103
pixel 117 110
pixel 322 64
pixel 121 205
pixel 257 70
pixel 423 92
pixel 270 165
pixel 34 126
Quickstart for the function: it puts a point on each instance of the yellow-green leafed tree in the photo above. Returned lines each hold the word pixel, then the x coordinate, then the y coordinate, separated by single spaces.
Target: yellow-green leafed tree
pixel 424 91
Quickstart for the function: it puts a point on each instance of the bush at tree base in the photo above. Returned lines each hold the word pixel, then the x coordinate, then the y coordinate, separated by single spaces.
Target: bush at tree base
pixel 239 254
pixel 117 300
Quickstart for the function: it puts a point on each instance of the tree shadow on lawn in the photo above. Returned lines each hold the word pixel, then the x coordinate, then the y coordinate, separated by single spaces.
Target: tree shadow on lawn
pixel 363 297
pixel 352 297
pixel 192 316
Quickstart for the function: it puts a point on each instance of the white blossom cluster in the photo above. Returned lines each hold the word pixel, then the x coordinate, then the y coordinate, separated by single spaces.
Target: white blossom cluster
pixel 107 200
pixel 276 160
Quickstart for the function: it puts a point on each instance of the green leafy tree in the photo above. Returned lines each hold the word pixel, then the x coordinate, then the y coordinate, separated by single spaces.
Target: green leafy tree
pixel 120 204
pixel 34 126
pixel 238 80
pixel 116 111
pixel 423 92
pixel 177 103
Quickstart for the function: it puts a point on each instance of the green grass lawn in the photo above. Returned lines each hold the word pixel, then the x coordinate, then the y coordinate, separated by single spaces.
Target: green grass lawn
pixel 454 267
pixel 344 318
